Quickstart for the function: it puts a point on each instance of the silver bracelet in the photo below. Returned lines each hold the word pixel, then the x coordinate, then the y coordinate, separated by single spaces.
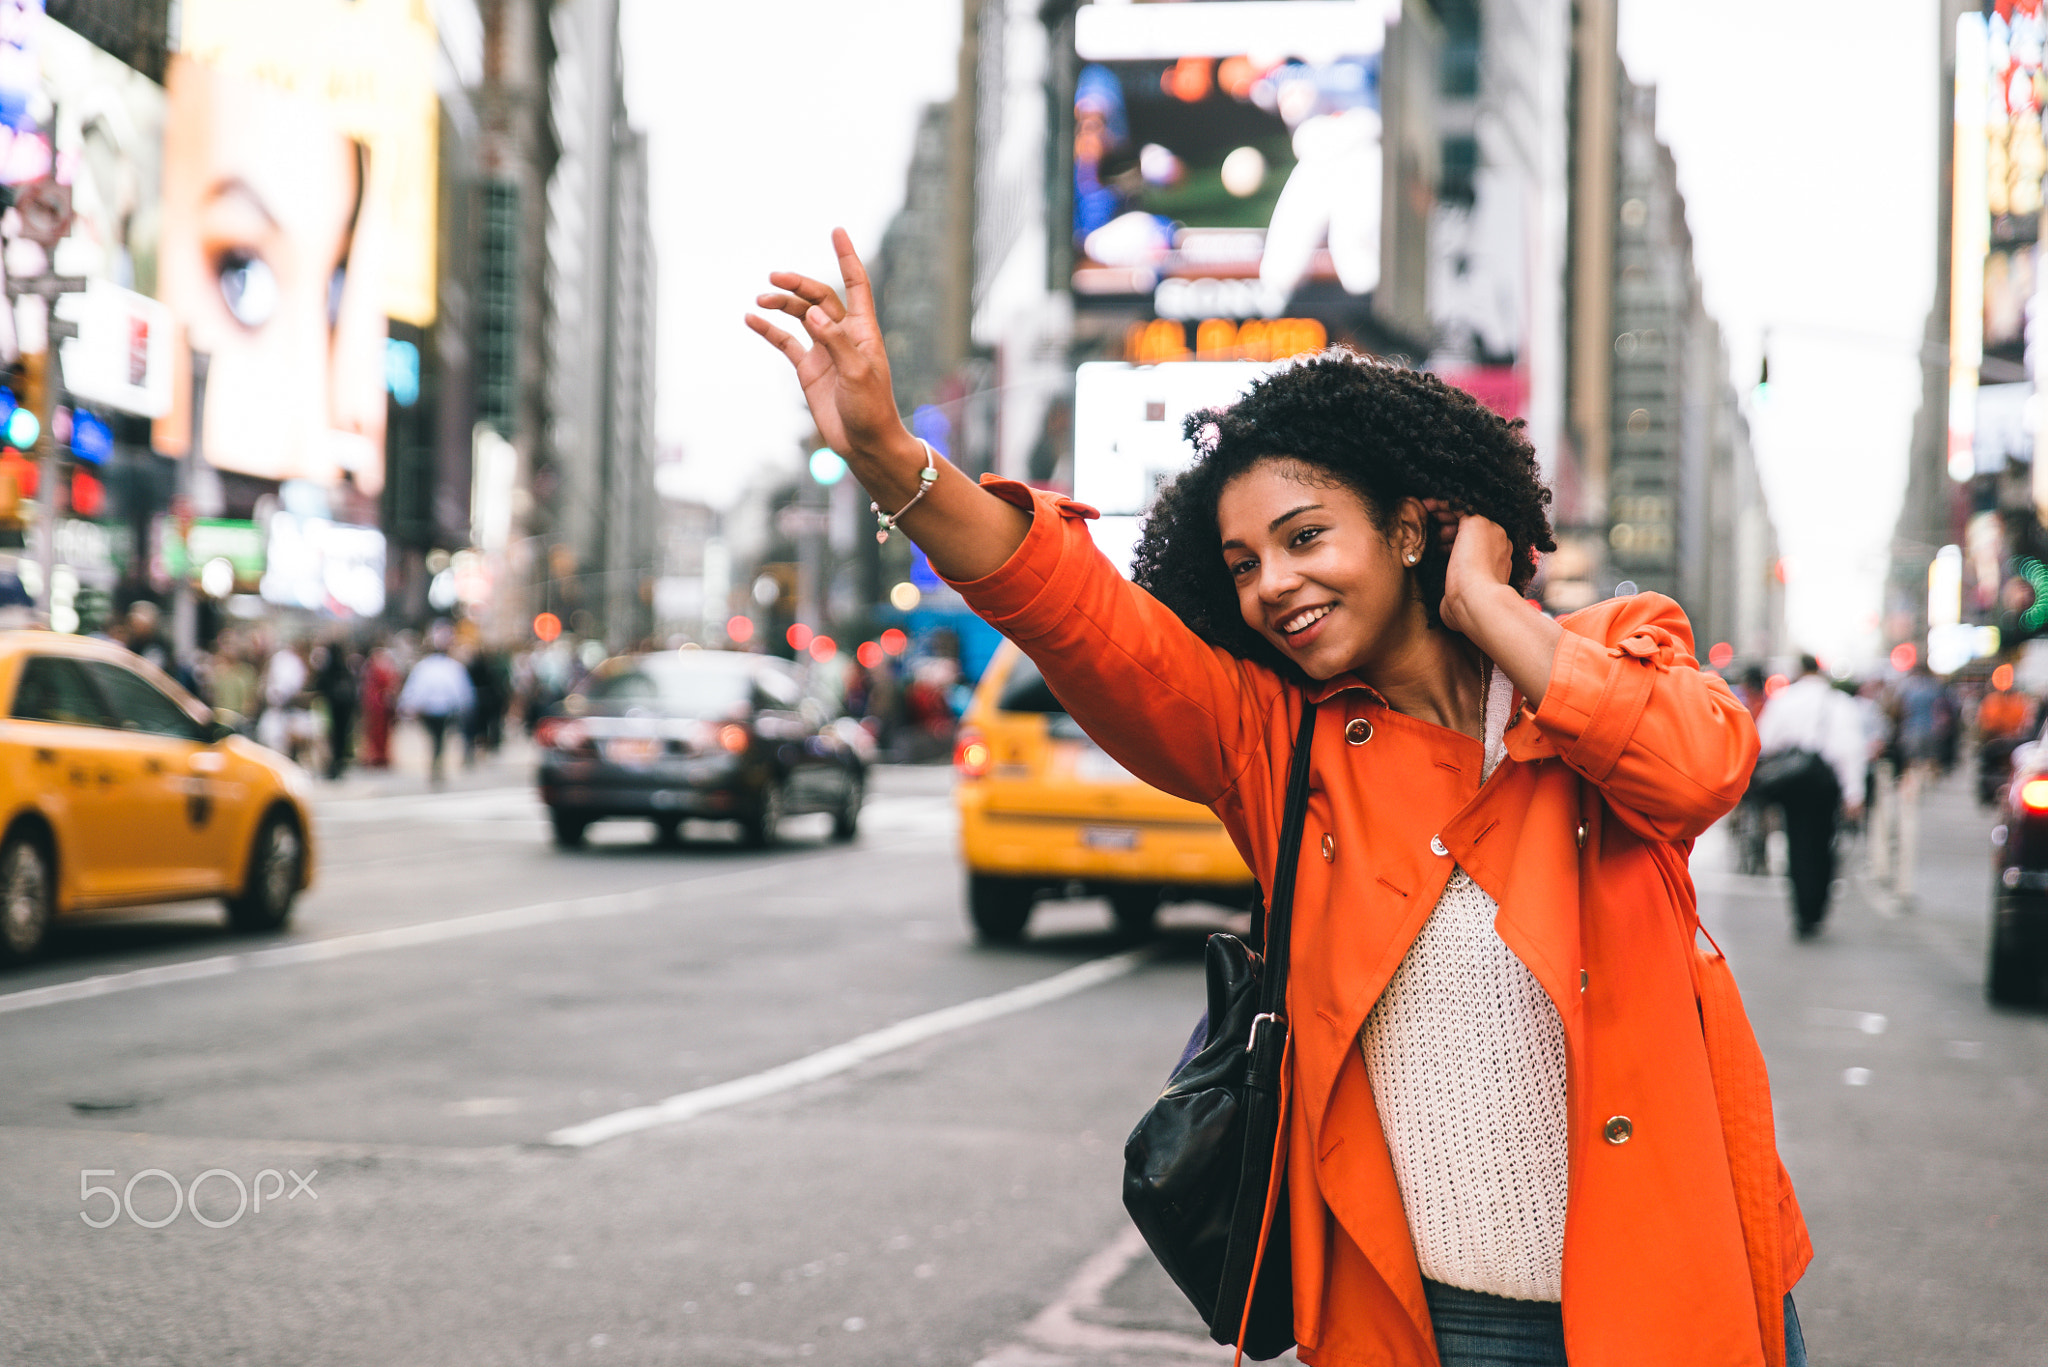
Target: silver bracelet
pixel 886 522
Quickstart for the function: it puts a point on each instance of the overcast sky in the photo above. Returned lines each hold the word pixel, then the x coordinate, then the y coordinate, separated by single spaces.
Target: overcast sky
pixel 1804 136
pixel 769 124
pixel 1805 141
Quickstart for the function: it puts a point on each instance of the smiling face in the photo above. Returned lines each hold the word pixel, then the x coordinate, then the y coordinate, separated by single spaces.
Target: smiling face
pixel 1315 572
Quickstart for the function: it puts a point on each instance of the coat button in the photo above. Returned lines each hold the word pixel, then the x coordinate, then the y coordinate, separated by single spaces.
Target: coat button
pixel 1358 731
pixel 1617 1129
pixel 1329 848
pixel 1437 846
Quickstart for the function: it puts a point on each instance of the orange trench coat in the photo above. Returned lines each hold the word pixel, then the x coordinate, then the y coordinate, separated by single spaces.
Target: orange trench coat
pixel 1632 740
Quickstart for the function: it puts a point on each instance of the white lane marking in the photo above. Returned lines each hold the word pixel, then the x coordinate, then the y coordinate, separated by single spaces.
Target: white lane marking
pixel 475 804
pixel 840 1057
pixel 396 937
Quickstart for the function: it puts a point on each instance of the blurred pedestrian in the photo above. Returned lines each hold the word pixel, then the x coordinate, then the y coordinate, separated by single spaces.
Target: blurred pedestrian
pixel 1750 690
pixel 1814 752
pixel 490 678
pixel 335 681
pixel 1881 785
pixel 144 636
pixel 1919 712
pixel 379 696
pixel 2004 719
pixel 287 722
pixel 232 684
pixel 1751 822
pixel 439 694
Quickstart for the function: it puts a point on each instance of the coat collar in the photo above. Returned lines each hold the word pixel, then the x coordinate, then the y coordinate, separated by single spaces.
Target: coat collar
pixel 1318 693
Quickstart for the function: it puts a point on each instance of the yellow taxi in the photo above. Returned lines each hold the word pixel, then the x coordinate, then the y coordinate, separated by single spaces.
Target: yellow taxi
pixel 1045 813
pixel 121 789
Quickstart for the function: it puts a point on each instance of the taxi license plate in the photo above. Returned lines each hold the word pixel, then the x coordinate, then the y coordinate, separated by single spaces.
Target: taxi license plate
pixel 1109 837
pixel 636 751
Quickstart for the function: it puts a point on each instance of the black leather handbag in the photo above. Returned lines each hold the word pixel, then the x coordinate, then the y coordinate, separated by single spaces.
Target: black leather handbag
pixel 1197 1167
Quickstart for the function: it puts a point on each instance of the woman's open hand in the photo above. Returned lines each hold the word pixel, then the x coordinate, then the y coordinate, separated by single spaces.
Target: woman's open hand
pixel 845 372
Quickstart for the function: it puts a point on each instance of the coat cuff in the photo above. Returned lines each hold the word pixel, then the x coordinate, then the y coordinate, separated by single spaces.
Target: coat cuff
pixel 1032 590
pixel 1596 696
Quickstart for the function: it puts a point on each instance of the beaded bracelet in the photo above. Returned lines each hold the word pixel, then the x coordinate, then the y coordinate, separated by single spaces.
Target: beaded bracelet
pixel 886 522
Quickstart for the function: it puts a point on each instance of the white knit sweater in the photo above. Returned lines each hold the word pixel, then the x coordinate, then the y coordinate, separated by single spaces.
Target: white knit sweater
pixel 1466 1057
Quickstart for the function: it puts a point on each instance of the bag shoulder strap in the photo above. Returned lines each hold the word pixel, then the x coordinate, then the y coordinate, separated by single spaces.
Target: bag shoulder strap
pixel 1280 906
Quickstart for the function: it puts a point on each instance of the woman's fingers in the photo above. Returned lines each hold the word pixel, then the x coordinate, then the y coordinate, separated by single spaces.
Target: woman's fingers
pixel 777 338
pixel 796 306
pixel 812 292
pixel 827 333
pixel 859 298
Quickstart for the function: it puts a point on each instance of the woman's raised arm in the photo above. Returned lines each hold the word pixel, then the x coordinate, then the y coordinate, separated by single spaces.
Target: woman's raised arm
pixel 966 532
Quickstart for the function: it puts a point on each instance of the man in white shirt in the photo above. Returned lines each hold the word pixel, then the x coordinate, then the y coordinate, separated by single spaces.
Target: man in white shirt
pixel 1809 715
pixel 438 692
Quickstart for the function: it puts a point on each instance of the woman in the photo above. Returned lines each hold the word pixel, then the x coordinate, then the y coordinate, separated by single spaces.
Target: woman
pixel 381 678
pixel 1506 1139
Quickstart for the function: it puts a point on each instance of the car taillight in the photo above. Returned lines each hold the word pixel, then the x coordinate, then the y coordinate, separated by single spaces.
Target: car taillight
pixel 971 754
pixel 560 733
pixel 733 737
pixel 2034 795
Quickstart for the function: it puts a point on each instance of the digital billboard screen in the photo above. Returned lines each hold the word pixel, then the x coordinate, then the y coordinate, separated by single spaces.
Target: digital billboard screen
pixel 298 221
pixel 1227 156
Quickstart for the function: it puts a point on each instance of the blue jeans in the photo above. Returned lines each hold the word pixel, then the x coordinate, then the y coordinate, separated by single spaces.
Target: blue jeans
pixel 1474 1329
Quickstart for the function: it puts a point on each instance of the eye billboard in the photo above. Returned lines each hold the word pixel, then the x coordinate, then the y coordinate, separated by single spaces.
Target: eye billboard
pixel 299 221
pixel 1228 166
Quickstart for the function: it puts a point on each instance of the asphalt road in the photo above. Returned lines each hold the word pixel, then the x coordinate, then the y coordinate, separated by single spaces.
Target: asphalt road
pixel 921 1188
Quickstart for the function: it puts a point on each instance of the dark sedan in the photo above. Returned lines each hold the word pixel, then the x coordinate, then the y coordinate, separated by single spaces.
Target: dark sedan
pixel 2019 897
pixel 704 734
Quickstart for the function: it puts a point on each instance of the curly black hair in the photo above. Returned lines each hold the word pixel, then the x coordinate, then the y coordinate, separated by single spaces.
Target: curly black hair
pixel 1383 431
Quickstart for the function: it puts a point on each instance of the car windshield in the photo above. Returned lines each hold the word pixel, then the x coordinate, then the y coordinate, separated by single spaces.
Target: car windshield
pixel 703 687
pixel 1026 690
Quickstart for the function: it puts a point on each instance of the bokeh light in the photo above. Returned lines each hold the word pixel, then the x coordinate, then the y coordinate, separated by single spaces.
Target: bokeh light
pixel 894 642
pixel 798 636
pixel 869 655
pixel 823 648
pixel 547 626
pixel 739 629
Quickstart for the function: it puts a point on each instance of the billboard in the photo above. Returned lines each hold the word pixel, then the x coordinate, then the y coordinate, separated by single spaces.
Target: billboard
pixel 1127 436
pixel 1227 156
pixel 298 221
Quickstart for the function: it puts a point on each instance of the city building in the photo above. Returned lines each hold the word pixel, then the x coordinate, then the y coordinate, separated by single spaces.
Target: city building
pixel 1657 488
pixel 593 477
pixel 516 159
